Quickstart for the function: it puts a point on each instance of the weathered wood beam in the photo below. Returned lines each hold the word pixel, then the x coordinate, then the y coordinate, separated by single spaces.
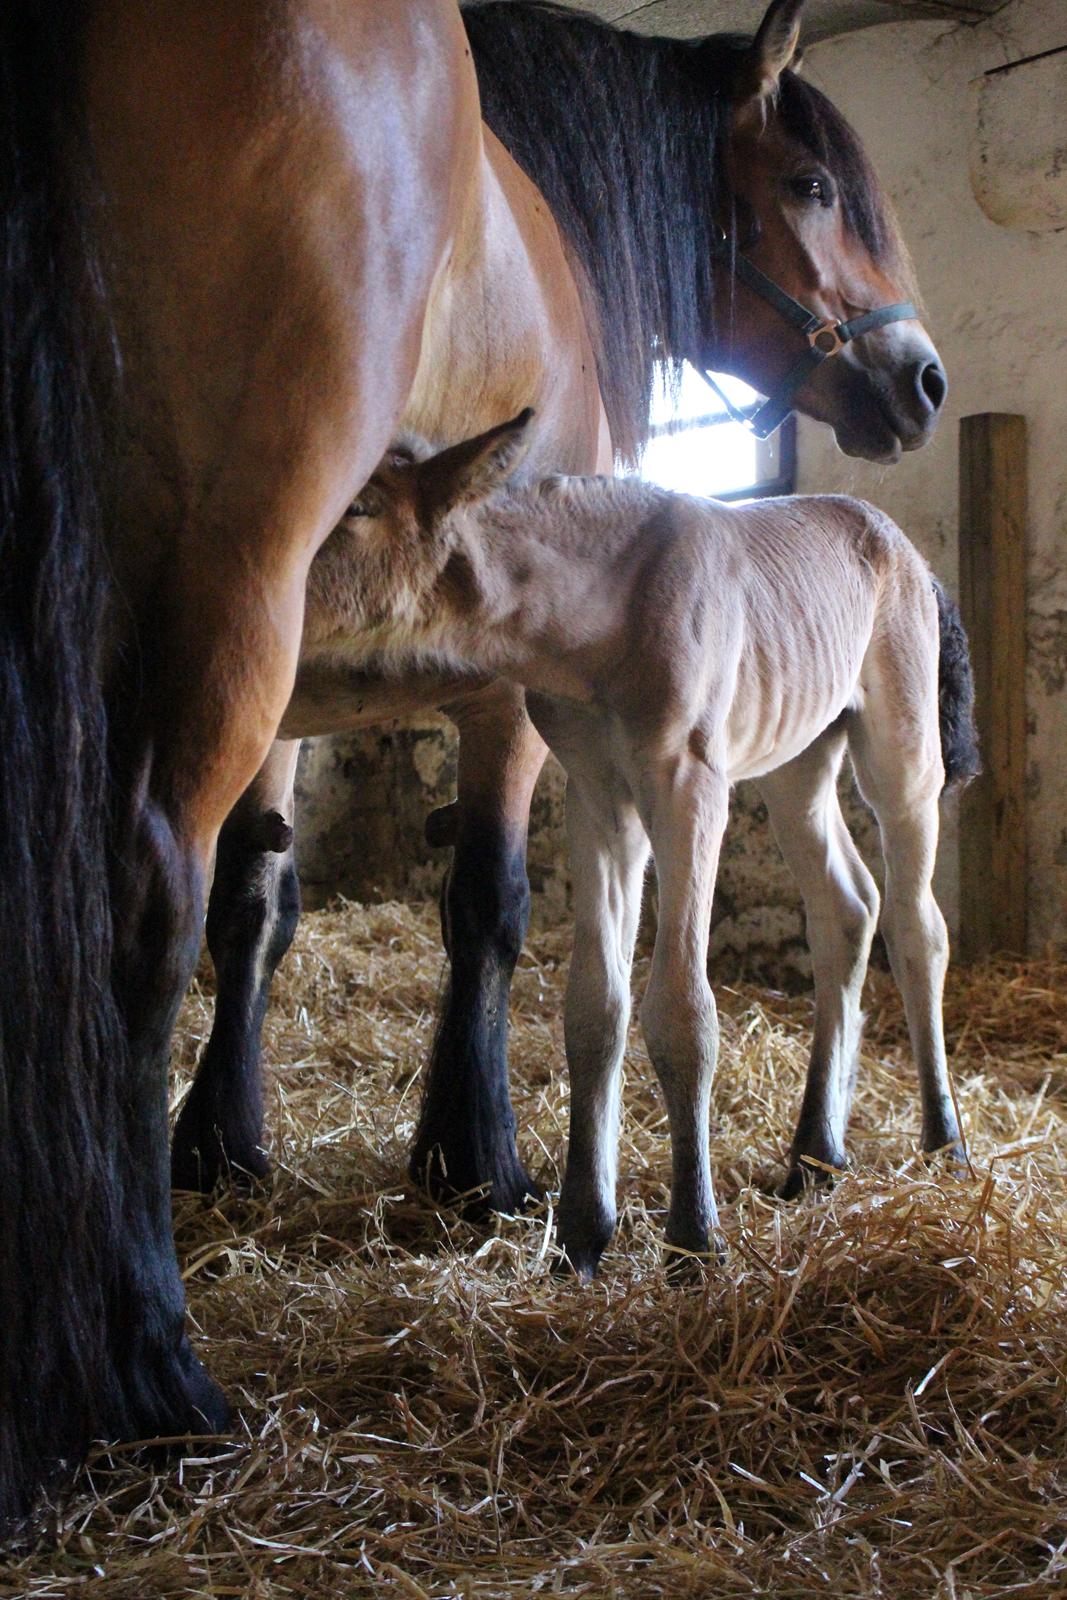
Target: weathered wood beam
pixel 961 10
pixel 993 842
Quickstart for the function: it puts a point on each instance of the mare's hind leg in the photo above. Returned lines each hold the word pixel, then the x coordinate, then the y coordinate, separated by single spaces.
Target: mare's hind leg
pixel 466 1136
pixel 685 805
pixel 895 749
pixel 608 852
pixel 841 902
pixel 251 919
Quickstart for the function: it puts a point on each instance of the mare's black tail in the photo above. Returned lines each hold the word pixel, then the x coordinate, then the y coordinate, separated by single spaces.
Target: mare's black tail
pixel 955 695
pixel 62 1048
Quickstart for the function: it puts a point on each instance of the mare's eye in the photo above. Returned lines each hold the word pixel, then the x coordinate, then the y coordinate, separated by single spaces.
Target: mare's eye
pixel 812 186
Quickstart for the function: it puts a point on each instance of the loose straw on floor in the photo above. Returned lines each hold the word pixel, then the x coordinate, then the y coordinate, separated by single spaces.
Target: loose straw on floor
pixel 868 1400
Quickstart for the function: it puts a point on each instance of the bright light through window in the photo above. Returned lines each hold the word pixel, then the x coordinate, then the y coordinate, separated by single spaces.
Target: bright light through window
pixel 697 449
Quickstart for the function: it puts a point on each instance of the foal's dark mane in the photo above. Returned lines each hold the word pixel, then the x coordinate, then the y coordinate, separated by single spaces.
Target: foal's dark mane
pixel 625 136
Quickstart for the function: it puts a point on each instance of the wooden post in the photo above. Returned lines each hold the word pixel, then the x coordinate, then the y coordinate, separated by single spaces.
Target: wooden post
pixel 993 853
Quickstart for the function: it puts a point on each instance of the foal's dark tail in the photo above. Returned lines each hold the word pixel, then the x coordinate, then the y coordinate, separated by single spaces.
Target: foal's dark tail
pixel 955 695
pixel 61 1044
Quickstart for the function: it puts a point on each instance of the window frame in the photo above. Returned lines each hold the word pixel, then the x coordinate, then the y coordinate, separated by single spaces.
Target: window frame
pixel 779 452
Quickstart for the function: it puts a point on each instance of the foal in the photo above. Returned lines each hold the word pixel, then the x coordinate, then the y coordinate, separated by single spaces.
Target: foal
pixel 670 646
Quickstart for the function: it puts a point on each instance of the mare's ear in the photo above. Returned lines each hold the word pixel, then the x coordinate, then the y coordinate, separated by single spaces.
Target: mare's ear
pixel 473 469
pixel 774 48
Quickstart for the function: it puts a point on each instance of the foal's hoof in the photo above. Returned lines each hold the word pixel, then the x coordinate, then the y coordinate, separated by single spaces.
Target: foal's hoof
pixel 693 1260
pixel 576 1264
pixel 807 1174
pixel 458 1181
pixel 950 1157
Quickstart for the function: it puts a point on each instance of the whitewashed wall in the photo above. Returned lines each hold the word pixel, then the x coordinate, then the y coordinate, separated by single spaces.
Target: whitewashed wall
pixel 997 307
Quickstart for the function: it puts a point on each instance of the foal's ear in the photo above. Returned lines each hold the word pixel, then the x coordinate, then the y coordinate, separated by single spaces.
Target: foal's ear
pixel 774 48
pixel 473 469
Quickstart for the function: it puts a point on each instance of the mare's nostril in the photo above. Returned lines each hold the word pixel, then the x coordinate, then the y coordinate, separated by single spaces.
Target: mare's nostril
pixel 933 385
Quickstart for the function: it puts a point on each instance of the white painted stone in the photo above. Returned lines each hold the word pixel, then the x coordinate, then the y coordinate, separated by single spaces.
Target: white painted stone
pixel 996 304
pixel 1019 143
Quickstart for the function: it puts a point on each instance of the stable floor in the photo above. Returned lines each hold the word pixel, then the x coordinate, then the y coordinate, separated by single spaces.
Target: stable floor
pixel 870 1398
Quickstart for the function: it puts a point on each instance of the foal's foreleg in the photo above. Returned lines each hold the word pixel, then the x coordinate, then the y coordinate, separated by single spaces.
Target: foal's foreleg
pixel 608 851
pixel 841 901
pixel 686 813
pixel 251 919
pixel 466 1137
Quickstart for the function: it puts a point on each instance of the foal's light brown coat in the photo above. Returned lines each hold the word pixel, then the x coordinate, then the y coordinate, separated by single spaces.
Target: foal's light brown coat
pixel 670 646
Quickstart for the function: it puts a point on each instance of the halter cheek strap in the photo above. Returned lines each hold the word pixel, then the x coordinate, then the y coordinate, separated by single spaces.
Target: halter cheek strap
pixel 825 338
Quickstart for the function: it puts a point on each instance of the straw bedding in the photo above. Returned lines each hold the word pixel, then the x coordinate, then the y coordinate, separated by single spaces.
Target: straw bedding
pixel 868 1399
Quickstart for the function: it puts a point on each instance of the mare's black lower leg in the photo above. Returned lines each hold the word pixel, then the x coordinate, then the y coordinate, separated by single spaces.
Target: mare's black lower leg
pixel 160 1388
pixel 466 1138
pixel 252 917
pixel 465 1143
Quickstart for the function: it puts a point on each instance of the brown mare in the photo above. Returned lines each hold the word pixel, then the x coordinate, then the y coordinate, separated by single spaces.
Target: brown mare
pixel 223 222
pixel 703 136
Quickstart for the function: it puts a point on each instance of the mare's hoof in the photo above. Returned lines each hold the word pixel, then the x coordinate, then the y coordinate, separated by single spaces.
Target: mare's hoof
pixel 208 1410
pixel 458 1181
pixel 169 1399
pixel 204 1163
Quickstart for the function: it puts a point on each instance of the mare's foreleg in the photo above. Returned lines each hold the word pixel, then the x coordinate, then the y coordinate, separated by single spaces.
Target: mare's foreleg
pixel 685 806
pixel 465 1144
pixel 251 919
pixel 841 902
pixel 213 680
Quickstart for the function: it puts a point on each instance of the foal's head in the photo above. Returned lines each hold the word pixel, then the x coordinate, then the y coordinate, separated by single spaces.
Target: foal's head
pixel 401 533
pixel 805 206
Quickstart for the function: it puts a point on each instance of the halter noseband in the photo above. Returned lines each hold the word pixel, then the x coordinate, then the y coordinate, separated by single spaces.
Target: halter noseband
pixel 825 338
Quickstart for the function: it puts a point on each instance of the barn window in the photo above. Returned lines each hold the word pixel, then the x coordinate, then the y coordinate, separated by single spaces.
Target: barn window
pixel 697 448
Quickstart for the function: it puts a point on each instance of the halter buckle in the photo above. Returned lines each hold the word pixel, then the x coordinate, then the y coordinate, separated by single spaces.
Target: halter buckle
pixel 826 339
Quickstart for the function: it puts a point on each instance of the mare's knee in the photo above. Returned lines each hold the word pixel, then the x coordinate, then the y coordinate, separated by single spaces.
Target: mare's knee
pixel 485 906
pixel 255 900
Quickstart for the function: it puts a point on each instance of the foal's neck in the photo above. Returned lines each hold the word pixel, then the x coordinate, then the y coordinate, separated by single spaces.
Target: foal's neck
pixel 539 580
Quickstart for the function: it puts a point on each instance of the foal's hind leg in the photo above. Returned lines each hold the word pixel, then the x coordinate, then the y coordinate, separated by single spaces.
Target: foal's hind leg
pixel 251 919
pixel 466 1137
pixel 841 901
pixel 896 754
pixel 608 851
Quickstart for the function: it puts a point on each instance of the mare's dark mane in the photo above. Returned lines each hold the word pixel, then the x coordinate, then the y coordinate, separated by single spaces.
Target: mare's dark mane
pixel 625 136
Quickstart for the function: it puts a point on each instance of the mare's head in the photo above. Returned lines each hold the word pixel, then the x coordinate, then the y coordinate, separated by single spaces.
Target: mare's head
pixel 801 202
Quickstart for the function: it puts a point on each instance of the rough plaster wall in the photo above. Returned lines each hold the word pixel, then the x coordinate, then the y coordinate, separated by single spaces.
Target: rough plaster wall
pixel 362 806
pixel 996 303
pixel 996 308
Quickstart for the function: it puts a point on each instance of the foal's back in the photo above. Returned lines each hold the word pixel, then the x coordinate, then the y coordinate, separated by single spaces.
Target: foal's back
pixel 785 603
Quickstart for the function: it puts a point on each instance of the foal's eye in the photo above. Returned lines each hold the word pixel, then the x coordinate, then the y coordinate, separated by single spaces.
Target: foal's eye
pixel 367 504
pixel 812 186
